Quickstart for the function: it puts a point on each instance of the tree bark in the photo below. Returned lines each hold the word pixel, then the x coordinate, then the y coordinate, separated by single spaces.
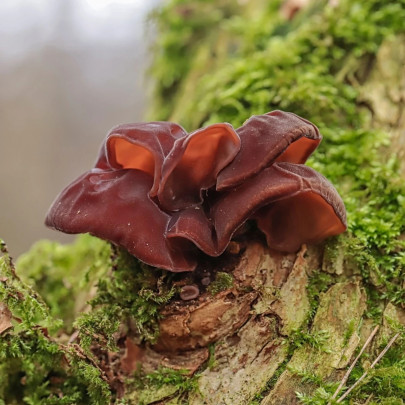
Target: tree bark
pixel 248 333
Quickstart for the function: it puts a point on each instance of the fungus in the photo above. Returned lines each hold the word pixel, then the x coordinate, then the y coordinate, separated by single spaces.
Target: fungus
pixel 189 292
pixel 194 164
pixel 206 281
pixel 277 135
pixel 164 195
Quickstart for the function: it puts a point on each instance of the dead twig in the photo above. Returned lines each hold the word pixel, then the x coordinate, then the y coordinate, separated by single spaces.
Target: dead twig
pixel 390 343
pixel 347 375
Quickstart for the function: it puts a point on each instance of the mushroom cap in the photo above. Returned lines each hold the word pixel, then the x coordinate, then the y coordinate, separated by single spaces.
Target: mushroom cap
pixel 194 164
pixel 115 206
pixel 141 146
pixel 292 204
pixel 276 136
pixel 189 292
pixel 164 195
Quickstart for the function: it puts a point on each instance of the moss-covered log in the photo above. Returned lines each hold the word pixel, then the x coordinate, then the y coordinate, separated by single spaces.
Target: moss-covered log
pixel 268 328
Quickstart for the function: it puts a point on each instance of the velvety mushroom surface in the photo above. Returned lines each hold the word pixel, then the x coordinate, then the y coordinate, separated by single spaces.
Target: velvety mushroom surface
pixel 164 195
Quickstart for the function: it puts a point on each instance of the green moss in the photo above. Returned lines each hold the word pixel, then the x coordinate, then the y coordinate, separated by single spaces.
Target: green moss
pixel 223 281
pixel 320 397
pixel 349 332
pixel 212 362
pixel 313 67
pixel 127 293
pixel 318 283
pixel 35 368
pixel 306 377
pixel 387 379
pixel 176 51
pixel 164 376
pixel 374 204
pixel 317 340
pixel 130 292
pixel 25 303
pixel 162 384
pixel 298 67
pixel 64 274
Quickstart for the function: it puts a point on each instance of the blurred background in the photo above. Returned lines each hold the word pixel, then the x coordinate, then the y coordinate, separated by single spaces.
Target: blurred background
pixel 69 71
pixel 72 69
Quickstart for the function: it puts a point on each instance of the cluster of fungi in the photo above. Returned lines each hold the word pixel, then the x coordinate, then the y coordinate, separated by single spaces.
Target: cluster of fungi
pixel 166 196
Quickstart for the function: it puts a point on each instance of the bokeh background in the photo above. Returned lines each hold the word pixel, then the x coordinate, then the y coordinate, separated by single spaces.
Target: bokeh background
pixel 69 71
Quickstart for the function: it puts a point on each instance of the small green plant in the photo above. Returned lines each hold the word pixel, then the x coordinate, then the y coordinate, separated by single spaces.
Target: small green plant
pixel 349 332
pixel 164 376
pixel 35 368
pixel 306 376
pixel 319 282
pixel 314 339
pixel 164 383
pixel 211 360
pixel 320 397
pixel 222 282
pixel 131 291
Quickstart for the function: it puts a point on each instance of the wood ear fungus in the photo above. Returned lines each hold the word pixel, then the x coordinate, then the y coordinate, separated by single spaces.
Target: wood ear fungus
pixel 163 194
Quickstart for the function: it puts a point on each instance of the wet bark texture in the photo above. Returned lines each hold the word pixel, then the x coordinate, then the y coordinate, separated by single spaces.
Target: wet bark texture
pixel 246 333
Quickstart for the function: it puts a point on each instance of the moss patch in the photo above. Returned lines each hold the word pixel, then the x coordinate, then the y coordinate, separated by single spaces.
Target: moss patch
pixel 163 383
pixel 64 274
pixel 315 67
pixel 130 292
pixel 222 282
pixel 39 363
pixel 35 368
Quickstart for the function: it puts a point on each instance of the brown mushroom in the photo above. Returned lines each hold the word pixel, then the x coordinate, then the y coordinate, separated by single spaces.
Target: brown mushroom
pixel 275 136
pixel 189 292
pixel 115 205
pixel 163 195
pixel 194 164
pixel 292 204
pixel 141 146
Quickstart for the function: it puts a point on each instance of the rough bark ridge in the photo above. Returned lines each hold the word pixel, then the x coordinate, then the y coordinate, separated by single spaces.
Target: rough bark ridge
pixel 245 324
pixel 265 322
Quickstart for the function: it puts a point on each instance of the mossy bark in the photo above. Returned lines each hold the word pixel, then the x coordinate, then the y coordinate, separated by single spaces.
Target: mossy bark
pixel 286 327
pixel 261 328
pixel 254 354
